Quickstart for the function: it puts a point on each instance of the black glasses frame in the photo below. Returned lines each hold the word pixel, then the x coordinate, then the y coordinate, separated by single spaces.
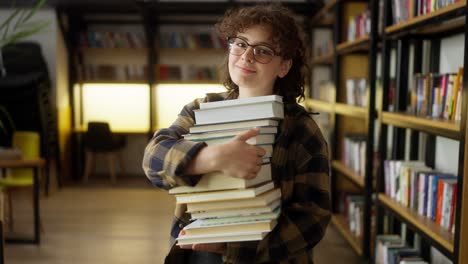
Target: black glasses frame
pixel 255 51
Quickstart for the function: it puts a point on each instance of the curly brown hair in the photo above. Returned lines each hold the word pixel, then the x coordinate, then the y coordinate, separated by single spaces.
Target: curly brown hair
pixel 284 30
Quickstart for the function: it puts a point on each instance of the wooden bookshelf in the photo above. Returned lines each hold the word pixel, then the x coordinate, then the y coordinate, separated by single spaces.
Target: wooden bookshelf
pixel 442 238
pixel 327 8
pixel 112 51
pixel 341 225
pixel 197 50
pixel 440 127
pixel 340 167
pixel 326 59
pixel 349 110
pixel 319 105
pixel 355 45
pixel 429 21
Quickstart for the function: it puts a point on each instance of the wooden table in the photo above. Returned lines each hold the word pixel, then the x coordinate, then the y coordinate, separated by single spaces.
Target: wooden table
pixel 35 165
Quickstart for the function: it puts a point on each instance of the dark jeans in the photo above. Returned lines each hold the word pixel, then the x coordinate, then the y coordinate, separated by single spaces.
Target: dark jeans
pixel 202 257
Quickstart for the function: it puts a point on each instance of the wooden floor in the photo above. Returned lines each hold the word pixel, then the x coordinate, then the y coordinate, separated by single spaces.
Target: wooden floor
pixel 100 224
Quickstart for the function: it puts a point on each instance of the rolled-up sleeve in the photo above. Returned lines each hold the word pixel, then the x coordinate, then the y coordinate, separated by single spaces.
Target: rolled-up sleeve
pixel 167 154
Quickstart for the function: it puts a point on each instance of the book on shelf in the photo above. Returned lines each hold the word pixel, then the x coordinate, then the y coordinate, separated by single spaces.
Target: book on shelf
pixel 199 228
pixel 229 133
pixel 210 196
pixel 219 181
pixel 261 200
pixel 237 212
pixel 202 239
pixel 233 125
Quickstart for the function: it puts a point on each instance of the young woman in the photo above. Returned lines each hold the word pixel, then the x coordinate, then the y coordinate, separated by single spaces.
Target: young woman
pixel 267 55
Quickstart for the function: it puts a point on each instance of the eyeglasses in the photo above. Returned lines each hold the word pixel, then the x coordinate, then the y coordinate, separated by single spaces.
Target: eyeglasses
pixel 261 53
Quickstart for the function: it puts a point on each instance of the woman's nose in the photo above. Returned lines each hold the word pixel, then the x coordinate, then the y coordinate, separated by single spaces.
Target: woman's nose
pixel 248 55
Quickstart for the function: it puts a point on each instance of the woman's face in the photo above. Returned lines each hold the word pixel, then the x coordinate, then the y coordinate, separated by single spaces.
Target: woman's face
pixel 252 77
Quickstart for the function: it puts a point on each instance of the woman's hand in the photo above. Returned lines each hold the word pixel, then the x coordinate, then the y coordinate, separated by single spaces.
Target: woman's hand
pixel 235 158
pixel 218 248
pixel 238 158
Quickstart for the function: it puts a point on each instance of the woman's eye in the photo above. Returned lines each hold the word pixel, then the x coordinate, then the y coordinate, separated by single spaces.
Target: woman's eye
pixel 241 44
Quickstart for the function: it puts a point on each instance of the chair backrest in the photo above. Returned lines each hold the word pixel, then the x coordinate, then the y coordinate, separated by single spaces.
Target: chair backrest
pixel 29 143
pixel 98 137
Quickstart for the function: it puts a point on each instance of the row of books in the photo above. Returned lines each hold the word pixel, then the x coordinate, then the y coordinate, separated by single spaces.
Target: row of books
pixel 112 39
pixel 437 95
pixel 392 248
pixel 190 40
pixel 224 208
pixel 167 72
pixel 325 47
pixel 426 191
pixel 356 91
pixel 359 26
pixel 352 208
pixel 112 72
pixel 404 10
pixel 354 153
pixel 325 91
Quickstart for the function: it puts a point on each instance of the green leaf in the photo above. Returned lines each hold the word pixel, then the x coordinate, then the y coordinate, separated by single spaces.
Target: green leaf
pixel 34 10
pixel 5 25
pixel 23 34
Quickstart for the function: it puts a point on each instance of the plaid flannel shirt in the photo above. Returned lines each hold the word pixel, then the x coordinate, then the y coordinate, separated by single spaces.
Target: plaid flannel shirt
pixel 300 167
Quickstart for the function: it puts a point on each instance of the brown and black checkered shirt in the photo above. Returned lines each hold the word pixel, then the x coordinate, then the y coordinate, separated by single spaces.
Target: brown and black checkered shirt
pixel 300 166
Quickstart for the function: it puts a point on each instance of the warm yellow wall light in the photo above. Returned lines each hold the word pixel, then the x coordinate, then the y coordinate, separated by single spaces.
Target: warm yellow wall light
pixel 124 106
pixel 171 98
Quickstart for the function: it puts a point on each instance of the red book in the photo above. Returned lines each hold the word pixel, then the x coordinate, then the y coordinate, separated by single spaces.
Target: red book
pixel 440 196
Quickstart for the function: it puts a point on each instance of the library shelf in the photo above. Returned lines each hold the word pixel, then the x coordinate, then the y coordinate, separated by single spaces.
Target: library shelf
pixel 326 59
pixel 341 225
pixel 441 238
pixel 350 110
pixel 98 51
pixel 194 50
pixel 319 105
pixel 431 23
pixel 327 8
pixel 348 173
pixel 446 128
pixel 360 44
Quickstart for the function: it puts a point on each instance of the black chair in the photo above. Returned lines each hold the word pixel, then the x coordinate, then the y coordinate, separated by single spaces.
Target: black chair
pixel 99 139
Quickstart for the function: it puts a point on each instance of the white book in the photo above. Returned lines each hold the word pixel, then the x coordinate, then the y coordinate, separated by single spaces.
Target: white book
pixel 229 133
pixel 242 101
pixel 262 139
pixel 196 228
pixel 218 238
pixel 215 181
pixel 232 125
pixel 273 110
pixel 239 219
pixel 237 212
pixel 261 200
pixel 224 195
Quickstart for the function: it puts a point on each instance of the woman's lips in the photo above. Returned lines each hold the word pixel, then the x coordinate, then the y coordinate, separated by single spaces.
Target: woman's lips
pixel 245 69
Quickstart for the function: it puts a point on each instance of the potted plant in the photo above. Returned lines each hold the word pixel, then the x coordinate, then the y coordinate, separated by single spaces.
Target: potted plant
pixel 16 26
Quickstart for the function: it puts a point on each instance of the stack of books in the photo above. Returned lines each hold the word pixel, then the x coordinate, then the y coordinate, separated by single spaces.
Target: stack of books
pixel 224 208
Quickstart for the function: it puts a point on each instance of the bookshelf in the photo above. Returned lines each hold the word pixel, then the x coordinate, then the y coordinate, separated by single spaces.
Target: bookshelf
pixel 397 125
pixel 353 59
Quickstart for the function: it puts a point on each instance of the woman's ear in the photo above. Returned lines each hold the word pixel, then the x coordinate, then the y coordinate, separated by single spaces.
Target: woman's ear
pixel 284 68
